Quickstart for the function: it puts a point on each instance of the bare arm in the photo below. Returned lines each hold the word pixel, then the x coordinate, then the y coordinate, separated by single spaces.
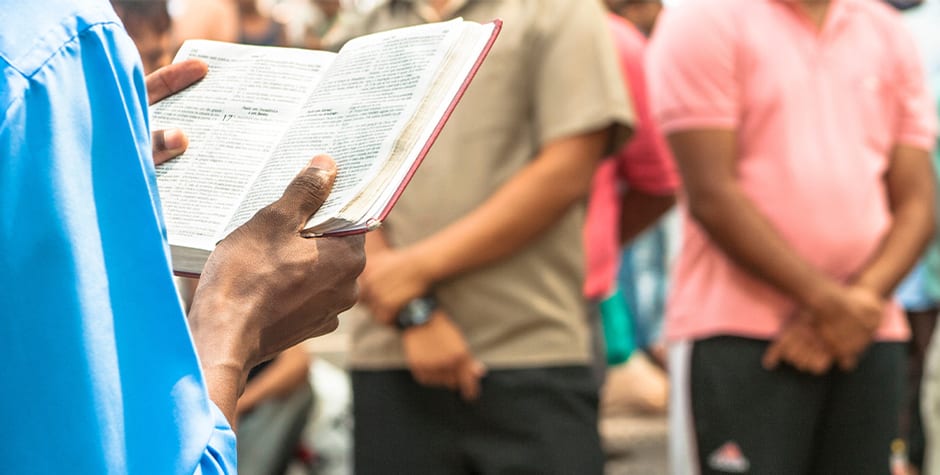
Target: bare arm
pixel 639 211
pixel 910 186
pixel 846 316
pixel 518 212
pixel 528 204
pixel 706 161
pixel 265 288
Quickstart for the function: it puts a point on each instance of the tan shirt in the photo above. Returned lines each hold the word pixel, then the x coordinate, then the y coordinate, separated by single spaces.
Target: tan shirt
pixel 552 74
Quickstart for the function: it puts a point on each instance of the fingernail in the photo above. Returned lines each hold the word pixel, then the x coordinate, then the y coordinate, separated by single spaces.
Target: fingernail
pixel 174 139
pixel 322 162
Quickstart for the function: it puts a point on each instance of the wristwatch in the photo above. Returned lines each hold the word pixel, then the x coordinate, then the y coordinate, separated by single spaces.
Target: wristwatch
pixel 416 313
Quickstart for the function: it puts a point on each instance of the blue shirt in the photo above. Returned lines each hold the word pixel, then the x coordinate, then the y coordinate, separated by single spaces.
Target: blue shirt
pixel 99 371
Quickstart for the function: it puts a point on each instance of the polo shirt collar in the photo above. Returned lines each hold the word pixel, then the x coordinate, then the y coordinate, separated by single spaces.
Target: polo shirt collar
pixel 838 11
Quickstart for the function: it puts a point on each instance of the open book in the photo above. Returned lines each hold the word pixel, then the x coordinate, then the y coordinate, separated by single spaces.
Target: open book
pixel 262 113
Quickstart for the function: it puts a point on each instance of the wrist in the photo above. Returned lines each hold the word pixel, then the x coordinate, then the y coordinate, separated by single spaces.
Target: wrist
pixel 416 313
pixel 224 357
pixel 224 384
pixel 220 342
pixel 818 297
pixel 868 281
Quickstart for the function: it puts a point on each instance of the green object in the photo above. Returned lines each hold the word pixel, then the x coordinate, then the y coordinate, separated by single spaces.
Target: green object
pixel 617 323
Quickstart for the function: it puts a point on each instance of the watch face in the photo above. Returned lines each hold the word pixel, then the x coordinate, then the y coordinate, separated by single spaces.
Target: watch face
pixel 421 306
pixel 417 312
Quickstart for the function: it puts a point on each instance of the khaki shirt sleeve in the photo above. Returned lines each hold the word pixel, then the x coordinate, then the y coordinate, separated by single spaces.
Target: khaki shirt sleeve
pixel 577 83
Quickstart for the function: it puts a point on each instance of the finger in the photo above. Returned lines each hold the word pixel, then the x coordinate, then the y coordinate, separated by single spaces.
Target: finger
pixel 819 365
pixel 436 377
pixel 421 376
pixel 167 144
pixel 772 356
pixel 848 363
pixel 469 375
pixel 820 361
pixel 804 361
pixel 449 379
pixel 171 79
pixel 308 191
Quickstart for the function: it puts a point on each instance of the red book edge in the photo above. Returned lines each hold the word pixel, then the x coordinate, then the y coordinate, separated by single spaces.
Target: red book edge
pixel 437 131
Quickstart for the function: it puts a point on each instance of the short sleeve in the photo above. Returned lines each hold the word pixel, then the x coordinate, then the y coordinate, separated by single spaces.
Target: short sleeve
pixel 644 162
pixel 577 84
pixel 691 70
pixel 917 116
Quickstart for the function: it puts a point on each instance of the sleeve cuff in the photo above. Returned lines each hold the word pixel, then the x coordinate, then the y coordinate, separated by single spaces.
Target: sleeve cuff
pixel 680 124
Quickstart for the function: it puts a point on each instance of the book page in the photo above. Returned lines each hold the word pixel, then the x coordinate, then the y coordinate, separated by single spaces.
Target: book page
pixel 447 86
pixel 233 118
pixel 355 114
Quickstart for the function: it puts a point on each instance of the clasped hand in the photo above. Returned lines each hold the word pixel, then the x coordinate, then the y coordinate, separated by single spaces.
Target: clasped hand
pixel 392 278
pixel 837 328
pixel 437 352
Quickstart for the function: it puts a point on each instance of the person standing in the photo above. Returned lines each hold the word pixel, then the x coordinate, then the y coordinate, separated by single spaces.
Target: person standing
pixel 630 192
pixel 487 369
pixel 803 132
pixel 110 376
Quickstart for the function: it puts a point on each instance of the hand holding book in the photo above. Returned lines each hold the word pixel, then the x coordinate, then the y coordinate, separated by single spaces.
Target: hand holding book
pixel 260 113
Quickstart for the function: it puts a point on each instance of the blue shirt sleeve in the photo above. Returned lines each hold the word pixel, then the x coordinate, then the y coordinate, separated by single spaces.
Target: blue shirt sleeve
pixel 99 371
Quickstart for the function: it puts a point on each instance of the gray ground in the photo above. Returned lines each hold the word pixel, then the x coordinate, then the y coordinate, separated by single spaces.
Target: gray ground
pixel 635 445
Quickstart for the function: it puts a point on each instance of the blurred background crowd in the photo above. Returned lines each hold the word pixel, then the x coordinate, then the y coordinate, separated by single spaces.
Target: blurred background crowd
pixel 297 415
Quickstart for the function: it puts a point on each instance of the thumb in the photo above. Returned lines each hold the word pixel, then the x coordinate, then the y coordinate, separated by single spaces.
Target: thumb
pixel 309 189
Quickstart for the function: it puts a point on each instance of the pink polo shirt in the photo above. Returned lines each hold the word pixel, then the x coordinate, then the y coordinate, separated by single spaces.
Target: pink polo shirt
pixel 817 115
pixel 644 163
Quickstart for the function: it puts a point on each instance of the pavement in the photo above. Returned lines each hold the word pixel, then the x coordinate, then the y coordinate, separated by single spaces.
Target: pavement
pixel 635 444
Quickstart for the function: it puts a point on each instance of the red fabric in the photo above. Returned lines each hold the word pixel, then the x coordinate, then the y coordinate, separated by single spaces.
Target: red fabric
pixel 644 163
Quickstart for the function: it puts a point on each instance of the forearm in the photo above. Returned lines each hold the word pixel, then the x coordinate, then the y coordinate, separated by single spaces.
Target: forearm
pixel 521 210
pixel 224 383
pixel 739 229
pixel 911 194
pixel 902 246
pixel 223 355
pixel 707 160
pixel 640 210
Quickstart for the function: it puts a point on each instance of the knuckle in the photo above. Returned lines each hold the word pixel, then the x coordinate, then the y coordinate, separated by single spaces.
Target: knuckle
pixel 329 326
pixel 310 186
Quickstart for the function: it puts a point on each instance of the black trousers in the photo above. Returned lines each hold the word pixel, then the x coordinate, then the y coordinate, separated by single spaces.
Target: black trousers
pixel 745 419
pixel 527 421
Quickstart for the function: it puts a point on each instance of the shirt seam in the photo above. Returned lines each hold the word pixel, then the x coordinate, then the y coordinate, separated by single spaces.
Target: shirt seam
pixel 58 51
pixel 29 78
